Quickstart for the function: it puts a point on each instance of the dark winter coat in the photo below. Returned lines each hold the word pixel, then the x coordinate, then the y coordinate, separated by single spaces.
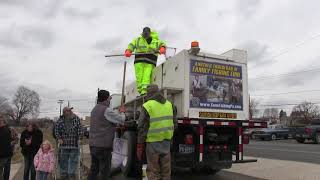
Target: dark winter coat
pixel 5 142
pixel 36 140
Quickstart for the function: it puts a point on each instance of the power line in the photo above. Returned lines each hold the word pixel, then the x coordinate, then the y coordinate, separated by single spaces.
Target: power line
pixel 295 46
pixel 74 100
pixel 285 74
pixel 293 104
pixel 284 51
pixel 293 92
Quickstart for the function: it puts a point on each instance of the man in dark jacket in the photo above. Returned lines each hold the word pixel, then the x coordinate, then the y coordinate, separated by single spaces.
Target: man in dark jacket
pixel 68 131
pixel 102 129
pixel 30 142
pixel 5 145
pixel 156 125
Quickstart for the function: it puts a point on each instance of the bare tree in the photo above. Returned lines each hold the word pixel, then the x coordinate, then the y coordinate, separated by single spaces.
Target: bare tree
pixel 26 103
pixel 253 107
pixel 3 104
pixel 307 111
pixel 5 107
pixel 271 113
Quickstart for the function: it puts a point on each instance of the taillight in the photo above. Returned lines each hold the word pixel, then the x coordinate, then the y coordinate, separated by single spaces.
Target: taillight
pixel 225 147
pixel 188 139
pixel 308 130
pixel 218 147
pixel 245 139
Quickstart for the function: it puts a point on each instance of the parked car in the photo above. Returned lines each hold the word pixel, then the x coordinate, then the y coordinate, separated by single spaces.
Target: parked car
pixel 250 132
pixel 273 132
pixel 309 132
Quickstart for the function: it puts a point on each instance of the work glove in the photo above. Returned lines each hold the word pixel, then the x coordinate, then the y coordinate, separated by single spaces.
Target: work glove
pixel 140 149
pixel 122 109
pixel 162 50
pixel 127 53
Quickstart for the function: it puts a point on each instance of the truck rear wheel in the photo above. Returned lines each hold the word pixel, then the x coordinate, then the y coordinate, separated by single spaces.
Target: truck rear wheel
pixel 130 167
pixel 317 138
pixel 205 170
pixel 300 140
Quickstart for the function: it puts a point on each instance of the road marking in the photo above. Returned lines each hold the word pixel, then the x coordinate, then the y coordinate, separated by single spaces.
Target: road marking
pixel 309 152
pixel 283 144
pixel 289 146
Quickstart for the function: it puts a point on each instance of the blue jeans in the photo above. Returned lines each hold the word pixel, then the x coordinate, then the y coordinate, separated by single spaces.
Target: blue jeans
pixel 68 161
pixel 3 162
pixel 6 170
pixel 42 175
pixel 29 168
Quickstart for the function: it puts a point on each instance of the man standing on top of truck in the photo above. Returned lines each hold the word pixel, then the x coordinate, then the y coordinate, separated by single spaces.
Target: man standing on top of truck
pixel 147 46
pixel 156 125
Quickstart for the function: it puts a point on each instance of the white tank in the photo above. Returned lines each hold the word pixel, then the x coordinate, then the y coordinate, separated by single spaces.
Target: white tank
pixel 204 85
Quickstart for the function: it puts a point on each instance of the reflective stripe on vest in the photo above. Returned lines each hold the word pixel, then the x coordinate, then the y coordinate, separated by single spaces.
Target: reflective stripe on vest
pixel 161 121
pixel 161 118
pixel 148 58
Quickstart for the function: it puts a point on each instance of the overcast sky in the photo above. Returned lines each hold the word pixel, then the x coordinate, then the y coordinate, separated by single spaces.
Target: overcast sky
pixel 57 47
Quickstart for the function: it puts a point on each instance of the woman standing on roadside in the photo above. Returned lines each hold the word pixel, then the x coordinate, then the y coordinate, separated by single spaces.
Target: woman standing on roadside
pixel 30 142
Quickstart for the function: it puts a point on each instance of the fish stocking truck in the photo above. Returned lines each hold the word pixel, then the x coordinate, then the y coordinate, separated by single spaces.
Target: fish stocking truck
pixel 210 93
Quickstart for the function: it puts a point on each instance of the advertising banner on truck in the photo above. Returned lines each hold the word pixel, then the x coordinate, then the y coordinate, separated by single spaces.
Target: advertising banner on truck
pixel 215 85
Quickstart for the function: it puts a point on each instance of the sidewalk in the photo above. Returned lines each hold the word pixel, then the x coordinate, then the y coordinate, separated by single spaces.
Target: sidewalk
pixel 15 168
pixel 278 169
pixel 265 168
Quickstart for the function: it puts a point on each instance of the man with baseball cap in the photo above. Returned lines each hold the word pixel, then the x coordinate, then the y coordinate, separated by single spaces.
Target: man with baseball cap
pixel 68 131
pixel 102 128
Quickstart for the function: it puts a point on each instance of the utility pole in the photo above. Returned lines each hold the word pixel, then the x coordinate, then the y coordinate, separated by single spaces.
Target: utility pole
pixel 97 95
pixel 60 101
pixel 68 103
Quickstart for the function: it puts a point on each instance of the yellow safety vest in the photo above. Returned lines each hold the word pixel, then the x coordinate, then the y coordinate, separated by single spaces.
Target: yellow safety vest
pixel 161 121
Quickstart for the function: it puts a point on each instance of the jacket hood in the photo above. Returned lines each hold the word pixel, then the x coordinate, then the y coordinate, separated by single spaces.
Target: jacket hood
pixel 49 144
pixel 158 97
pixel 105 103
pixel 154 35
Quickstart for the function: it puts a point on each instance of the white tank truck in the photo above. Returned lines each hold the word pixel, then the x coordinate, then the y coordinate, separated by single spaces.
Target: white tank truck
pixel 210 93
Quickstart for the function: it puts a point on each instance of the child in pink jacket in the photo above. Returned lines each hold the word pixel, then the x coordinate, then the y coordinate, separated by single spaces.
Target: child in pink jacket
pixel 44 161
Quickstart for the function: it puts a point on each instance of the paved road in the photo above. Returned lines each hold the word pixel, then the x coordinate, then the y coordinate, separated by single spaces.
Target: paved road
pixel 187 175
pixel 222 175
pixel 284 150
pixel 278 150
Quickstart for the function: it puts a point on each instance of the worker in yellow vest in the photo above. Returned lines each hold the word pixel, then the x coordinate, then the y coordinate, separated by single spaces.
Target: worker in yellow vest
pixel 147 46
pixel 156 125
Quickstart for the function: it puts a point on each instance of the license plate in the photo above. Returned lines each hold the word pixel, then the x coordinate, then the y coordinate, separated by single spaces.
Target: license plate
pixel 218 115
pixel 186 149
